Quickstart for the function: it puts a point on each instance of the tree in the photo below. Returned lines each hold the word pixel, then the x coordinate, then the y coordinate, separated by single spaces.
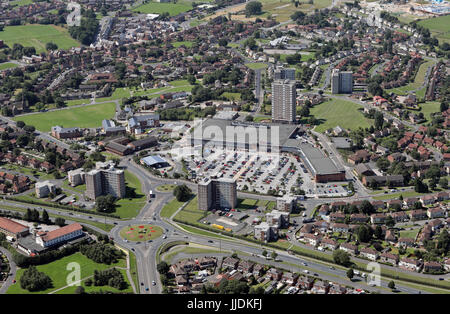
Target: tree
pixel 182 193
pixel 51 46
pixel 79 290
pixel 341 257
pixel 350 273
pixel 264 253
pixel 253 8
pixel 20 124
pixel 443 182
pixel 45 217
pixel 391 285
pixel 364 233
pixel 162 267
pixel 105 203
pixel 60 221
pixel 274 255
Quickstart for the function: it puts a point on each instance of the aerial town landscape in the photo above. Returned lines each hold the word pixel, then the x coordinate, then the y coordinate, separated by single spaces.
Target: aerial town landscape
pixel 224 147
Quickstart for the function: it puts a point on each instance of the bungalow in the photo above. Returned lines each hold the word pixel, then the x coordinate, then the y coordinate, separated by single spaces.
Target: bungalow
pixel 435 212
pixel 410 264
pixel 369 253
pixel 406 242
pixel 410 201
pixel 400 216
pixel 338 227
pixel 389 258
pixel 378 205
pixel 359 218
pixel 428 199
pixel 418 214
pixel 349 248
pixel 378 218
pixel 329 244
pixel 338 205
pixel 432 266
pixel 312 239
pixel 442 196
pixel 337 217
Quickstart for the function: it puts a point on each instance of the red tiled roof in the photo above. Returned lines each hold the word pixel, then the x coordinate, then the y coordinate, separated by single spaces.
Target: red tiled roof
pixel 61 231
pixel 11 226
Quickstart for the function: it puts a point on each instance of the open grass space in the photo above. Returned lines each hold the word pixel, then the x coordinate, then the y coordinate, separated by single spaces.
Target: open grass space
pixel 439 27
pixel 187 44
pixel 159 8
pixel 84 117
pixel 129 207
pixel 7 65
pixel 232 96
pixel 170 208
pixel 58 272
pixel 256 65
pixel 141 232
pixel 37 36
pixel 339 112
pixel 90 289
pixel 191 213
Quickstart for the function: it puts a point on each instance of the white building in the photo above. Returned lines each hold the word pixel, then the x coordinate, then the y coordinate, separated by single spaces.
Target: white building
pixel 44 188
pixel 76 177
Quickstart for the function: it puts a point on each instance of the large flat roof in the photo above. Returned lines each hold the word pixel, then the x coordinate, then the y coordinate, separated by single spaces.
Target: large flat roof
pixel 318 162
pixel 285 131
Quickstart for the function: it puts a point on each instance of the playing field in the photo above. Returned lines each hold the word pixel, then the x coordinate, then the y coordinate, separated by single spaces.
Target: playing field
pixel 141 232
pixel 83 117
pixel 159 8
pixel 339 112
pixel 58 272
pixel 439 27
pixel 38 36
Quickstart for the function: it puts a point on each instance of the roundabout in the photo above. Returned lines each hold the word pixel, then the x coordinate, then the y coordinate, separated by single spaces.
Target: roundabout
pixel 166 188
pixel 142 232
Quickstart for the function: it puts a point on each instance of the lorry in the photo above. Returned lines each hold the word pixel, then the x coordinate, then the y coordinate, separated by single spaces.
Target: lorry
pixel 150 194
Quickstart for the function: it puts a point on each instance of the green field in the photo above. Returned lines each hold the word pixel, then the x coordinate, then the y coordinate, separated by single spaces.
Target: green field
pixel 38 36
pixel 339 112
pixel 83 117
pixel 232 96
pixel 439 27
pixel 7 65
pixel 130 207
pixel 170 208
pixel 187 44
pixel 191 213
pixel 58 272
pixel 159 8
pixel 256 65
pixel 141 232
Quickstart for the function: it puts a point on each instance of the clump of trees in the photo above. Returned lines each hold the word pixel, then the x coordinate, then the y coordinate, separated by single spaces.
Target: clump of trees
pixel 253 8
pixel 34 280
pixel 110 277
pixel 101 253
